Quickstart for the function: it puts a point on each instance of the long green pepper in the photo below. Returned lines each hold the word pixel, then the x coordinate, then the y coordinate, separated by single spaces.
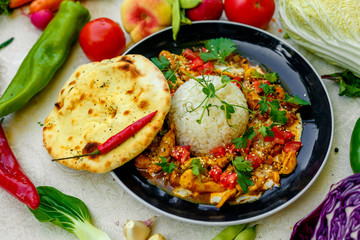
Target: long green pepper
pixel 45 57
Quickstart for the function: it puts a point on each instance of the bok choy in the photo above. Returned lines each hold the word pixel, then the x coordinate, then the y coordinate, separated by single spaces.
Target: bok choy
pixel 330 29
pixel 67 212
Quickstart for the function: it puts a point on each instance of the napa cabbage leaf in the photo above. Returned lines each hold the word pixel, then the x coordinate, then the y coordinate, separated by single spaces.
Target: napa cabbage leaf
pixel 329 29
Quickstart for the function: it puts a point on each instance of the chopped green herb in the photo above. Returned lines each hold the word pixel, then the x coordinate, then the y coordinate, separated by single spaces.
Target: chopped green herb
pixel 276 115
pixel 243 169
pixel 196 167
pixel 165 166
pixel 164 65
pixel 4 44
pixel 271 77
pixel 218 48
pixel 295 100
pixel 40 123
pixel 265 130
pixel 242 142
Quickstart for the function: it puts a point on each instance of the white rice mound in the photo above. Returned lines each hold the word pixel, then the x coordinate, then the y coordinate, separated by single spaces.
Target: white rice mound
pixel 213 131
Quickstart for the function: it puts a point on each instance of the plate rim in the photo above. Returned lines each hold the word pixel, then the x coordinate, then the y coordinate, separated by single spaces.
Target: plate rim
pixel 276 209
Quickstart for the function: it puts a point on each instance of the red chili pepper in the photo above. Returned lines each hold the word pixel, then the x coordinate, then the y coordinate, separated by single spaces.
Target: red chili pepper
pixel 12 177
pixel 118 138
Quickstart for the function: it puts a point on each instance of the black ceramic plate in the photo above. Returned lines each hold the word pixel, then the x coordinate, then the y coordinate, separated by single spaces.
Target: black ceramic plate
pixel 297 76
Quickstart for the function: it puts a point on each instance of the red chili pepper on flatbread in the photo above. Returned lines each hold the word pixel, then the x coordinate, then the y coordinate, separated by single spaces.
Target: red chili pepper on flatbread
pixel 12 177
pixel 118 138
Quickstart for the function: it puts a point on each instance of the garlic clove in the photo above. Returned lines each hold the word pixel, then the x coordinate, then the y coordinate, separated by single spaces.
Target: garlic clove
pixel 136 230
pixel 157 236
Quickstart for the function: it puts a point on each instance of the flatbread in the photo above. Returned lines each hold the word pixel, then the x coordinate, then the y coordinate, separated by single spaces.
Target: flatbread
pixel 99 100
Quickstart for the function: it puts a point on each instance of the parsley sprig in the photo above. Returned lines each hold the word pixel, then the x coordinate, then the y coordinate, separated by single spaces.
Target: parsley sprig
pixel 243 169
pixel 164 65
pixel 165 166
pixel 218 49
pixel 209 90
pixel 196 167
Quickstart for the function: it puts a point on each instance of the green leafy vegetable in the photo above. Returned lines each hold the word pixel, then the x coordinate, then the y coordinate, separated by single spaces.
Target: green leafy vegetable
pixel 164 65
pixel 349 83
pixel 196 167
pixel 329 29
pixel 243 169
pixel 67 212
pixel 4 44
pixel 295 100
pixel 219 49
pixel 4 7
pixel 272 77
pixel 165 166
pixel 242 142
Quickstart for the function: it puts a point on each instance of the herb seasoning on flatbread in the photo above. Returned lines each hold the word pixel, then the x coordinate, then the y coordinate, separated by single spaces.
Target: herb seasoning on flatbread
pixel 99 100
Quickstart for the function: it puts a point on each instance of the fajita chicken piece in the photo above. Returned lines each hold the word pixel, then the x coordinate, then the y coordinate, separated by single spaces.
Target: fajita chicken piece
pixel 191 182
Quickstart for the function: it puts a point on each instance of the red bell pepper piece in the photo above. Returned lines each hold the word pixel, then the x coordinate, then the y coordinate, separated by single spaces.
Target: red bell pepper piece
pixel 12 177
pixel 292 146
pixel 181 153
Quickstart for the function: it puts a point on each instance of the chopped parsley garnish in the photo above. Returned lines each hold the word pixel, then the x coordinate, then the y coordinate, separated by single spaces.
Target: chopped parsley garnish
pixel 164 65
pixel 242 142
pixel 196 167
pixel 218 48
pixel 272 77
pixel 165 166
pixel 295 100
pixel 243 169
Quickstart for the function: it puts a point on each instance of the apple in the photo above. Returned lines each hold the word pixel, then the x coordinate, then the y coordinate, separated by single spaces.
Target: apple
pixel 141 18
pixel 206 10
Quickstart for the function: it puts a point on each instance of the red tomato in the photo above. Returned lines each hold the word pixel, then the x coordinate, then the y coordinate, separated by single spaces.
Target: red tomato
pixel 206 10
pixel 292 146
pixel 280 137
pixel 228 180
pixel 257 84
pixel 196 63
pixel 257 13
pixel 181 153
pixel 207 68
pixel 189 54
pixel 218 151
pixel 254 159
pixel 101 39
pixel 215 173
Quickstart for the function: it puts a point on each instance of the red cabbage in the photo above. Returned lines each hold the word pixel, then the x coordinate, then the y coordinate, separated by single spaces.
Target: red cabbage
pixel 337 217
